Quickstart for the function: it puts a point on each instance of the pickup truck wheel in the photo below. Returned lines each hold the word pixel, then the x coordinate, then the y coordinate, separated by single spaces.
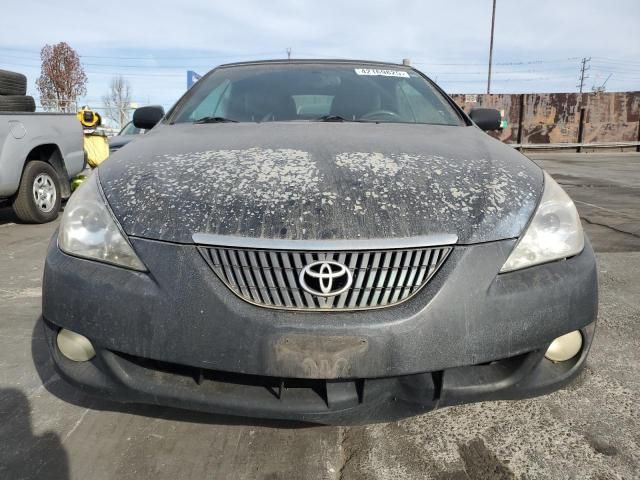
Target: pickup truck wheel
pixel 12 83
pixel 38 198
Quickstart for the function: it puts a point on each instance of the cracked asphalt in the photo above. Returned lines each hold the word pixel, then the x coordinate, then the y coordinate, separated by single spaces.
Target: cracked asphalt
pixel 590 430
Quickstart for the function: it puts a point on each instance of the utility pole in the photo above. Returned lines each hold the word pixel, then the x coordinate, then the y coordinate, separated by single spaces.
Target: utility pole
pixel 493 23
pixel 583 70
pixel 288 53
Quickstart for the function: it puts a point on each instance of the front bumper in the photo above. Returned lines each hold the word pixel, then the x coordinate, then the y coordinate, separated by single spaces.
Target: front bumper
pixel 339 402
pixel 177 336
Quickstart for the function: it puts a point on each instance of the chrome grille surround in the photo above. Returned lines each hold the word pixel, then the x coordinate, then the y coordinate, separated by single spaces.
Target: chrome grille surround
pixel 270 277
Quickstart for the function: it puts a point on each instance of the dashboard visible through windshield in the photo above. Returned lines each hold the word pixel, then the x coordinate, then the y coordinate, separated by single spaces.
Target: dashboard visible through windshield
pixel 321 92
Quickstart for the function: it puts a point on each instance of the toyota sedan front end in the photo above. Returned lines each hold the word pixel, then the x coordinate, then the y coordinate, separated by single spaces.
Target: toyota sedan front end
pixel 324 241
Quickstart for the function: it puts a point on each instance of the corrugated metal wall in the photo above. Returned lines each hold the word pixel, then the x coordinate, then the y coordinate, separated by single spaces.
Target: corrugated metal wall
pixel 555 117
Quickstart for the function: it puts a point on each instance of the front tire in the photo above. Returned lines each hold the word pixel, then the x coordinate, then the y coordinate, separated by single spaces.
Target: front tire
pixel 38 198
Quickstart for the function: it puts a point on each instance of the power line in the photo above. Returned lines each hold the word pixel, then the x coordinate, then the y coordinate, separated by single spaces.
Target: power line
pixel 545 65
pixel 555 70
pixel 111 65
pixel 188 66
pixel 617 60
pixel 506 80
pixel 561 71
pixel 35 53
pixel 513 63
pixel 506 72
pixel 151 56
pixel 610 68
pixel 218 55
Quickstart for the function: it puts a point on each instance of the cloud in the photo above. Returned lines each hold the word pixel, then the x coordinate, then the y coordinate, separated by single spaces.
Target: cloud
pixel 167 37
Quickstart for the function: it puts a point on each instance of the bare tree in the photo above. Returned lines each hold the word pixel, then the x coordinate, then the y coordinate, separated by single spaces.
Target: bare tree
pixel 62 79
pixel 117 102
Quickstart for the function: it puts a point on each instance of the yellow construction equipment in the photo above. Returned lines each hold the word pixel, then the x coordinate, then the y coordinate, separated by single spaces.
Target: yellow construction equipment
pixel 96 144
pixel 96 148
pixel 88 118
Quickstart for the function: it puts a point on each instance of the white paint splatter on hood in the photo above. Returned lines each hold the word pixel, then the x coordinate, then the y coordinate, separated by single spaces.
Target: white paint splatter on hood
pixel 287 183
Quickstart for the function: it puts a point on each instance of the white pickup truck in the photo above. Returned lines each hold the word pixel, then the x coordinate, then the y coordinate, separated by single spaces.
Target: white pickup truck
pixel 39 154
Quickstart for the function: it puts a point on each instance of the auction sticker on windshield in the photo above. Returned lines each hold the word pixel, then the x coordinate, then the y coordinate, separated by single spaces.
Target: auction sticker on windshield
pixel 381 72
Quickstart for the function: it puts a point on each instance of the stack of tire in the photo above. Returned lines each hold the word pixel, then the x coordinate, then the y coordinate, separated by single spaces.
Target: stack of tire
pixel 13 89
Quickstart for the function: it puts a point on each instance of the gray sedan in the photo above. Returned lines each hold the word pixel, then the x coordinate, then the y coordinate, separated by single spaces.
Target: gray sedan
pixel 322 241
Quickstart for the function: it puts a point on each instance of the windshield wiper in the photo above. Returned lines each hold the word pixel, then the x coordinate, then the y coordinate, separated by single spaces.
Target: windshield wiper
pixel 331 118
pixel 214 120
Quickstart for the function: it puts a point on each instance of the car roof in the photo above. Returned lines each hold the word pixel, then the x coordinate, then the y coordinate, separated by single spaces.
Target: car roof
pixel 306 61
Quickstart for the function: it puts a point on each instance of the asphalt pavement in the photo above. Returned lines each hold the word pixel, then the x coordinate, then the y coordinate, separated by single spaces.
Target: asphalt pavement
pixel 590 430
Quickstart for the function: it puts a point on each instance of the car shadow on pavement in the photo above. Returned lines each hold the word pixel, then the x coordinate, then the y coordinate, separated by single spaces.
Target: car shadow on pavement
pixel 62 390
pixel 7 215
pixel 23 454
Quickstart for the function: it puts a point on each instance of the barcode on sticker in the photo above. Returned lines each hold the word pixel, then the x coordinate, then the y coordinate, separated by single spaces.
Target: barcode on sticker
pixel 378 72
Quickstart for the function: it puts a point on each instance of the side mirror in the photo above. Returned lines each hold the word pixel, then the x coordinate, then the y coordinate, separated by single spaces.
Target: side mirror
pixel 486 118
pixel 147 117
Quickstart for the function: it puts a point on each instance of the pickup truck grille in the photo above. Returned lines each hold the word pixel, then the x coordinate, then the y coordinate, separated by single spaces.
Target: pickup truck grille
pixel 272 278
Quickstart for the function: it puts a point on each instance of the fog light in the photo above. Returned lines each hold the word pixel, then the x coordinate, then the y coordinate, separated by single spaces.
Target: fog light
pixel 74 346
pixel 565 347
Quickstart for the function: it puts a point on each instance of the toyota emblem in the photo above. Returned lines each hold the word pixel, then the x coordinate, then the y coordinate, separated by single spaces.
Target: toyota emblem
pixel 325 278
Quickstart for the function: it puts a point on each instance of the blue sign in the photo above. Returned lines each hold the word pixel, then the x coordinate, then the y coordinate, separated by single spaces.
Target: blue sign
pixel 192 77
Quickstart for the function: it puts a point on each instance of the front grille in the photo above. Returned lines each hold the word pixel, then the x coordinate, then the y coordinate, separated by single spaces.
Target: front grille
pixel 271 278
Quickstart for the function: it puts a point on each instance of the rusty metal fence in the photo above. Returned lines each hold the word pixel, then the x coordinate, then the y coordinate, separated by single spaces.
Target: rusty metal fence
pixel 556 120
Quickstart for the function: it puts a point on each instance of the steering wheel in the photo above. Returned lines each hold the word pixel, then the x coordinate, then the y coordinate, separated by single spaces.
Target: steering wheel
pixel 378 113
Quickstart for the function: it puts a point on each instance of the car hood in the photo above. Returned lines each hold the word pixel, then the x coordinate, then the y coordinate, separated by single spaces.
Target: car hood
pixel 307 180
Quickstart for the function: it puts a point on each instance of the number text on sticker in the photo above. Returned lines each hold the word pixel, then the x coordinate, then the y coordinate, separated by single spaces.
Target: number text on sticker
pixel 381 72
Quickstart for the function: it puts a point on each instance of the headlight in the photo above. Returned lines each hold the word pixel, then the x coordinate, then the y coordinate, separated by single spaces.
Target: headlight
pixel 555 231
pixel 89 230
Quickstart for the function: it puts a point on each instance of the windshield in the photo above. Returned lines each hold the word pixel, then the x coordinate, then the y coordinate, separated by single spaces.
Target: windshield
pixel 285 92
pixel 130 129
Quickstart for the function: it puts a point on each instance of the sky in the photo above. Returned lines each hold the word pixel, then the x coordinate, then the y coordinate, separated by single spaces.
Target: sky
pixel 538 43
